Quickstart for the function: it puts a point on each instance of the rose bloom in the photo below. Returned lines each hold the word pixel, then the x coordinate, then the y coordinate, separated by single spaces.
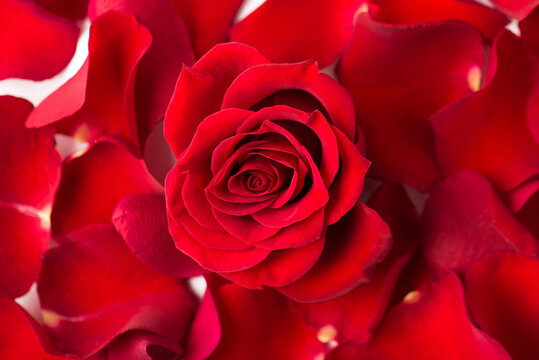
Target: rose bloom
pixel 268 164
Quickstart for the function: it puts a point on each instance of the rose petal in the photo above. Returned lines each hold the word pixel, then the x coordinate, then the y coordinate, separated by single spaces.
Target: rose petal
pixel 427 324
pixel 417 12
pixel 20 335
pixel 527 215
pixel 394 98
pixel 499 144
pixel 264 326
pixel 89 297
pixel 291 31
pixel 30 173
pixel 529 30
pixel 27 35
pixel 504 301
pixel 98 100
pixel 259 82
pixel 355 315
pixel 200 89
pixel 516 8
pixel 465 220
pixel 161 65
pixel 354 245
pixel 207 22
pixel 93 183
pixel 71 9
pixel 142 222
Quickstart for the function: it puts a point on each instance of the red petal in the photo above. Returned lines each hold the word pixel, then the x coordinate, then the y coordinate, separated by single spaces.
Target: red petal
pixel 280 268
pixel 428 323
pixel 205 331
pixel 354 245
pixel 527 215
pixel 499 144
pixel 142 222
pixel 503 297
pixel 295 30
pixel 529 30
pixel 200 90
pixel 139 345
pixel 89 295
pixel 98 100
pixel 260 82
pixel 93 183
pixel 22 337
pixel 355 315
pixel 71 9
pixel 259 325
pixel 417 12
pixel 30 172
pixel 398 76
pixel 465 220
pixel 516 8
pixel 35 44
pixel 159 68
pixel 207 22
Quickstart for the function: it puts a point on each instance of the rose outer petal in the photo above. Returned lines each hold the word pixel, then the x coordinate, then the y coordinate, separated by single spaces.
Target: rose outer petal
pixel 295 30
pixel 417 12
pixel 92 288
pixel 529 30
pixel 142 222
pixel 398 76
pixel 499 143
pixel 94 183
pixel 504 301
pixel 98 100
pixel 35 43
pixel 200 90
pixel 71 9
pixel 207 22
pixel 516 8
pixel 357 242
pixel 465 220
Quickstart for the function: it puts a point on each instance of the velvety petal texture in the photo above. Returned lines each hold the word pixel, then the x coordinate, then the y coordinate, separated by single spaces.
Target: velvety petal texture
pixel 93 184
pixel 400 75
pixel 277 334
pixel 142 222
pixel 465 220
pixel 501 144
pixel 416 12
pixel 295 30
pixel 92 289
pixel 516 8
pixel 71 9
pixel 427 324
pixel 505 303
pixel 529 30
pixel 21 337
pixel 27 35
pixel 29 177
pixel 98 101
pixel 207 22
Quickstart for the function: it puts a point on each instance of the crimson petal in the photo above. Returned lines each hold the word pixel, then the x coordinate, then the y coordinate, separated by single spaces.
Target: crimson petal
pixel 35 43
pixel 295 30
pixel 142 222
pixel 354 245
pixel 398 76
pixel 516 8
pixel 504 300
pixel 465 220
pixel 92 289
pixel 93 183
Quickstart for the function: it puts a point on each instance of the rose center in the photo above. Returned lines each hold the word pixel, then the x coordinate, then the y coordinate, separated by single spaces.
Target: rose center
pixel 257 183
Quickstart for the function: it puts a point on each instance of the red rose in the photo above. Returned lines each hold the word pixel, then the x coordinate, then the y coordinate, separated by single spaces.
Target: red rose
pixel 267 160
